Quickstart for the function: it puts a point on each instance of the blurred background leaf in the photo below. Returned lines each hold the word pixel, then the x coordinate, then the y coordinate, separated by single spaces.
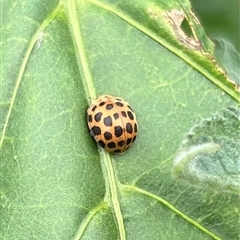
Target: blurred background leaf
pixel 221 21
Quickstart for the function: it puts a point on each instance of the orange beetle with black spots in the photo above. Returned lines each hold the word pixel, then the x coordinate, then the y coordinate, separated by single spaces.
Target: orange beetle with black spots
pixel 112 123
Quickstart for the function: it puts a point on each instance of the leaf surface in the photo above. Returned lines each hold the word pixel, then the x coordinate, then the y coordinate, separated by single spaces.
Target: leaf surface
pixel 209 154
pixel 55 182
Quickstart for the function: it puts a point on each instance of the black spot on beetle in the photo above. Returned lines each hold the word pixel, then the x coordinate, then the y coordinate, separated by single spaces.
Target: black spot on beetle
pixel 123 114
pixel 107 135
pixel 89 118
pixel 130 115
pixel 107 121
pixel 111 145
pixel 101 104
pixel 94 108
pixel 102 144
pixel 121 143
pixel 117 151
pixel 118 130
pixel 129 140
pixel 135 127
pixel 129 128
pixel 119 104
pixel 98 117
pixel 109 106
pixel 116 116
pixel 129 108
pixel 134 139
pixel 96 130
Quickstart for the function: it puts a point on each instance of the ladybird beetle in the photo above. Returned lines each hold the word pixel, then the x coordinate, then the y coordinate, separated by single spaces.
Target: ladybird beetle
pixel 112 123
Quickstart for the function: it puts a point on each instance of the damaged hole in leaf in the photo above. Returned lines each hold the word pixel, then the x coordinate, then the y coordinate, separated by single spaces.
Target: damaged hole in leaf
pixel 176 19
pixel 186 29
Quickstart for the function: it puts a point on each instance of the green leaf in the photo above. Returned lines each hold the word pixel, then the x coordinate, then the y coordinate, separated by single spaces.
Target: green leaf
pixel 209 155
pixel 227 55
pixel 57 57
